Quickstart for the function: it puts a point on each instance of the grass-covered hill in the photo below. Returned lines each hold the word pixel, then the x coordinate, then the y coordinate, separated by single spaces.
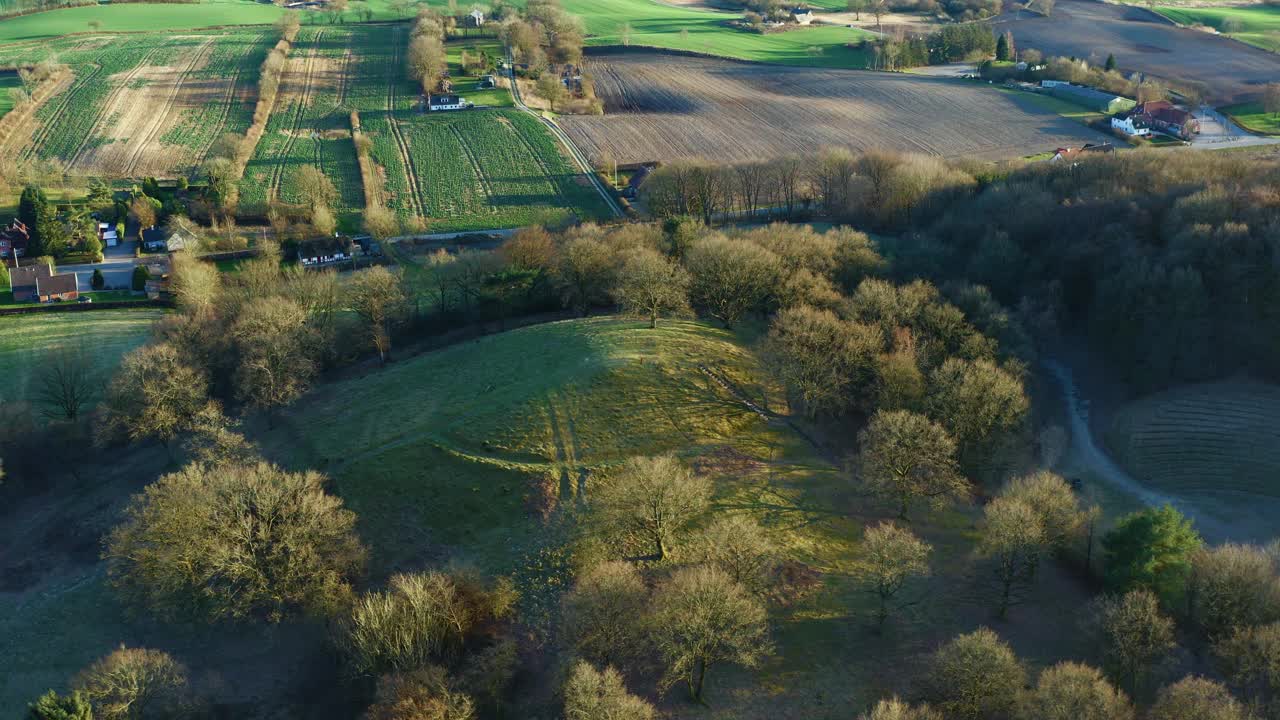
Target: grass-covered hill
pixel 468 445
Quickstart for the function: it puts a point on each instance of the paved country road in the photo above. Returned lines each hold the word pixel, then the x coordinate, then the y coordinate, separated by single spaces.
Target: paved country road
pixel 1146 42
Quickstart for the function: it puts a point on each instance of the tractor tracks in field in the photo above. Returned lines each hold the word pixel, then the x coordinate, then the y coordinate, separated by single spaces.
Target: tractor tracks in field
pixel 45 127
pixel 110 102
pixel 304 99
pixel 228 101
pixel 475 164
pixel 416 203
pixel 159 118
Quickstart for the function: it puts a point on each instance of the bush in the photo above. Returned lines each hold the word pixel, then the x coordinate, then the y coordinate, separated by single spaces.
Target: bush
pixel 97 282
pixel 134 683
pixel 591 694
pixel 52 706
pixel 604 611
pixel 140 277
pixel 1196 698
pixel 422 618
pixel 236 541
pixel 424 694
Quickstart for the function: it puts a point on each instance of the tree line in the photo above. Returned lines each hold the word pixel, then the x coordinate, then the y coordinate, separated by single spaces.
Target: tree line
pixel 1183 241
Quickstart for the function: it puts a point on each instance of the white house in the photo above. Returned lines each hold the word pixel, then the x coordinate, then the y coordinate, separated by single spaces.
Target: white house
pixel 803 16
pixel 1129 124
pixel 437 103
pixel 476 16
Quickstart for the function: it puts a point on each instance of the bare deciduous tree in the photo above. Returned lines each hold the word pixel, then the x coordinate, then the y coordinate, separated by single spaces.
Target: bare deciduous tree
pixel 975 676
pixel 378 298
pixel 906 458
pixel 651 501
pixel 651 286
pixel 1133 633
pixel 1013 538
pixel 891 556
pixel 135 683
pixel 702 618
pixel 604 613
pixel 67 382
pixel 591 694
pixel 1072 691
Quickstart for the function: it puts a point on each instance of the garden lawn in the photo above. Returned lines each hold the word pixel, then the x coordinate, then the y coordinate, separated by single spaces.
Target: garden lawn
pixel 1253 118
pixel 1257 25
pixel 106 335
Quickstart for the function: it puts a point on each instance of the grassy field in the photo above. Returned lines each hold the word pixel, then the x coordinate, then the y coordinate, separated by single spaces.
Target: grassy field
pixel 105 335
pixel 457 171
pixel 651 24
pixel 1257 25
pixel 1253 118
pixel 7 83
pixel 484 452
pixel 1057 106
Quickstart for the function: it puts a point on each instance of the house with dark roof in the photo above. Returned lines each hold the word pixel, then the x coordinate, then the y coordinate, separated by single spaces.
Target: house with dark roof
pixel 156 239
pixel 314 253
pixel 13 240
pixel 57 288
pixel 1168 118
pixel 22 281
pixel 442 102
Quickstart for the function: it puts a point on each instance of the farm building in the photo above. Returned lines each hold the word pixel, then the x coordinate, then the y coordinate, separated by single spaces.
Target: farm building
pixel 1076 153
pixel 1090 98
pixel 323 252
pixel 13 240
pixel 1162 115
pixel 437 103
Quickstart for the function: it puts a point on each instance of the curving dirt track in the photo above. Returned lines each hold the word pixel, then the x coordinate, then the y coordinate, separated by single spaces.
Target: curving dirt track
pixel 663 107
pixel 1145 42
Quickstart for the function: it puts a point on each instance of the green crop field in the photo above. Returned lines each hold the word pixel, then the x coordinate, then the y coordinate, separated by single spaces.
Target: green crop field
pixel 106 335
pixel 145 104
pixel 7 83
pixel 1218 438
pixel 1253 118
pixel 136 17
pixel 1257 25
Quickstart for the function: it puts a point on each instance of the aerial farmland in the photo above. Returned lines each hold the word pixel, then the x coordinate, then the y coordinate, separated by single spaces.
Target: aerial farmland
pixel 639 360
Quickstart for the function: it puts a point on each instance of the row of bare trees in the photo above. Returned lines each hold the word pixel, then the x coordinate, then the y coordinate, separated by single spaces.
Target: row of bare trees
pixel 876 185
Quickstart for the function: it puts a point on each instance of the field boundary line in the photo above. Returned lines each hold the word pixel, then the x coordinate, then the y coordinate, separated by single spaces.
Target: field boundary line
pixel 19 116
pixel 110 101
pixel 159 118
pixel 229 98
pixel 417 204
pixel 575 154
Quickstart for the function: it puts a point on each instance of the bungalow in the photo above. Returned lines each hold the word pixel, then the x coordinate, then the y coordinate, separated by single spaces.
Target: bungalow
pixel 437 103
pixel 802 16
pixel 314 253
pixel 56 288
pixel 156 239
pixel 13 240
pixel 22 281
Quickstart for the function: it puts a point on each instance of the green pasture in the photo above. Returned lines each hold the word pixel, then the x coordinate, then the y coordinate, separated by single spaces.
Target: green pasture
pixel 1257 25
pixel 104 335
pixel 1253 118
pixel 651 24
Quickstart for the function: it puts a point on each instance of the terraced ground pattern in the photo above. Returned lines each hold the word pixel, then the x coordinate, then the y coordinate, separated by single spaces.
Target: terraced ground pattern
pixel 1219 438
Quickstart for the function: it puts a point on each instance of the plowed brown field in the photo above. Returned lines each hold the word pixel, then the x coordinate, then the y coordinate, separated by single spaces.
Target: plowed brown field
pixel 663 107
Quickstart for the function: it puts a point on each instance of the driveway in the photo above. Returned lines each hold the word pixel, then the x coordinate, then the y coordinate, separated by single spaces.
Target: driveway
pixel 1218 132
pixel 117 271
